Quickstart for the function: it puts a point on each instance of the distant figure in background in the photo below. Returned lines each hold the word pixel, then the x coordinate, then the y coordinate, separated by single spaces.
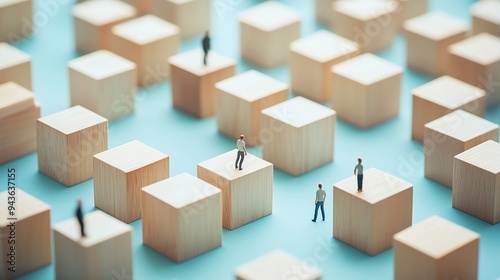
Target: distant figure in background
pixel 242 151
pixel 79 216
pixel 358 169
pixel 319 202
pixel 206 47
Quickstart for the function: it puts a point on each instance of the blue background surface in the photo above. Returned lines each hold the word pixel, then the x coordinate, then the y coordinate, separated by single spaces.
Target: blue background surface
pixel 189 141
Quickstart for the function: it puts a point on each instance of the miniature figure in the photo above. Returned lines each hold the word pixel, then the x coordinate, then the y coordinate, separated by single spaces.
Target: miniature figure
pixel 206 47
pixel 79 216
pixel 358 169
pixel 242 152
pixel 319 202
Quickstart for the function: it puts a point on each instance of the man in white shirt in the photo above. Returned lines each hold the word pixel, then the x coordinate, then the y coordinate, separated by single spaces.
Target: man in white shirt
pixel 319 202
pixel 242 152
pixel 358 169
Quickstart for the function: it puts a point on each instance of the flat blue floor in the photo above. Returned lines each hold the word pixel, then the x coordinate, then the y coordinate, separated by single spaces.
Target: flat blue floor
pixel 189 141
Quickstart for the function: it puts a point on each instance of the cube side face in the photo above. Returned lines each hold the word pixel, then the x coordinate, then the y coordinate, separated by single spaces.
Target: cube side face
pixel 480 25
pixel 276 53
pixel 86 36
pixel 256 116
pixel 110 194
pixel 199 9
pixel 307 77
pixel 461 263
pixel 70 260
pixel 383 100
pixel 411 264
pixel 207 94
pixel 153 66
pixel 421 53
pixel 424 111
pixel 185 90
pixel 116 95
pixel 348 27
pixel 382 35
pixel 130 51
pixel 323 11
pixel 349 100
pixel 234 116
pixel 20 74
pixel 84 90
pixel 52 147
pixel 490 135
pixel 443 57
pixel 13 27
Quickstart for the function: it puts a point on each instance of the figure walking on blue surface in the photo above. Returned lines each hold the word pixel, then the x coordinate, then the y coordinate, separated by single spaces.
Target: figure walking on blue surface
pixel 358 170
pixel 79 216
pixel 242 152
pixel 319 202
pixel 206 47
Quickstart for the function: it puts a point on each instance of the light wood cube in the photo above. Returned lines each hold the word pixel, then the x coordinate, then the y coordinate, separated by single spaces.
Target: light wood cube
pixel 367 220
pixel 106 250
pixel 193 84
pixel 476 181
pixel 277 264
pixel 366 90
pixel 298 135
pixel 26 243
pixel 436 249
pixel 266 31
pixel 192 16
pixel 18 115
pixel 121 172
pixel 476 61
pixel 240 100
pixel 67 141
pixel 370 23
pixel 148 41
pixel 310 61
pixel 323 11
pixel 15 66
pixel 485 17
pixel 17 20
pixel 181 217
pixel 104 83
pixel 143 6
pixel 427 40
pixel 443 96
pixel 247 195
pixel 93 21
pixel 450 135
pixel 412 8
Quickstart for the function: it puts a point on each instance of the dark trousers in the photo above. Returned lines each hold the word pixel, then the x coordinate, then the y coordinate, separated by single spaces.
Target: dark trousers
pixel 360 182
pixel 240 157
pixel 318 205
pixel 82 230
pixel 205 53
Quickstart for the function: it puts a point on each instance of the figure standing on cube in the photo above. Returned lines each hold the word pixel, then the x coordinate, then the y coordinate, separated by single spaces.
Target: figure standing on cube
pixel 79 216
pixel 319 202
pixel 206 47
pixel 242 151
pixel 358 169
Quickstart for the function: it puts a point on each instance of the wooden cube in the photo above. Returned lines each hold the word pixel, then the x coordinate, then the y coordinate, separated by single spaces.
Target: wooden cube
pixel 476 181
pixel 106 250
pixel 18 115
pixel 436 249
pixel 193 84
pixel 310 61
pixel 370 23
pixel 67 141
pixel 15 66
pixel 476 61
pixel 450 135
pixel 266 31
pixel 182 13
pixel 412 8
pixel 443 96
pixel 298 135
pixel 119 175
pixel 427 40
pixel 367 220
pixel 323 11
pixel 17 20
pixel 277 264
pixel 485 17
pixel 25 229
pixel 148 41
pixel 104 83
pixel 143 6
pixel 247 195
pixel 366 90
pixel 240 100
pixel 181 217
pixel 93 21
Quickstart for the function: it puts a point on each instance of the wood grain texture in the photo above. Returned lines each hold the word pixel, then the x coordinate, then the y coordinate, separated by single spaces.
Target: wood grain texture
pixel 104 253
pixel 485 17
pixel 448 136
pixel 67 141
pixel 182 13
pixel 247 195
pixel 15 66
pixel 182 217
pixel 240 100
pixel 121 172
pixel 476 181
pixel 13 26
pixel 436 249
pixel 367 220
pixel 33 245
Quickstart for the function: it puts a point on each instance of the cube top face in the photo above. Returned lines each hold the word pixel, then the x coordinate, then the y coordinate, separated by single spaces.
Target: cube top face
pixel 103 12
pixel 323 46
pixel 72 120
pixel 461 125
pixel 483 49
pixel 181 190
pixel 179 2
pixel 367 69
pixel 99 227
pixel 101 64
pixel 436 237
pixel 365 10
pixel 269 16
pixel 487 10
pixel 449 92
pixel 14 98
pixel 277 265
pixel 130 156
pixel 145 30
pixel 11 56
pixel 251 85
pixel 192 61
pixel 5 3
pixel 377 186
pixel 298 112
pixel 435 26
pixel 26 206
pixel 485 156
pixel 223 165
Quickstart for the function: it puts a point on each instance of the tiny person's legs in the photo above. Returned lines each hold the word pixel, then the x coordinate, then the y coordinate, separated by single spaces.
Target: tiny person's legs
pixel 360 182
pixel 241 156
pixel 316 211
pixel 237 159
pixel 322 210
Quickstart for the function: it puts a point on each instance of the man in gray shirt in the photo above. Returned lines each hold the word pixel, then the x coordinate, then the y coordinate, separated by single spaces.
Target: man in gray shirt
pixel 358 169
pixel 319 202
